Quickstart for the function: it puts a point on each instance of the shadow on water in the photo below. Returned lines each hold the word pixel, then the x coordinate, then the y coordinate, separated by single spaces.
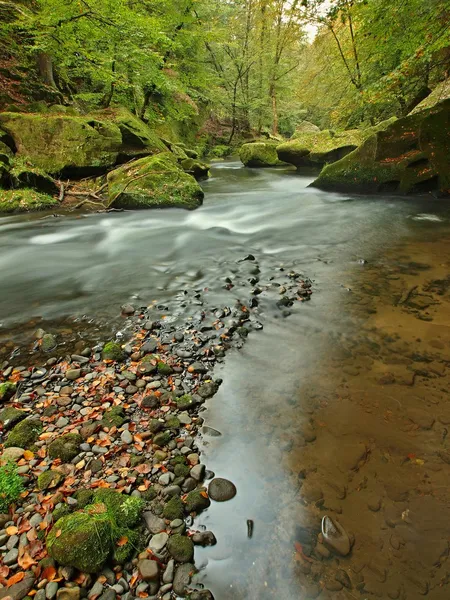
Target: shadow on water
pixel 313 411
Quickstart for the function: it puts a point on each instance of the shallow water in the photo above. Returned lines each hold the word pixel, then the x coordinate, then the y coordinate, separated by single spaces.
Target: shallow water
pixel 322 370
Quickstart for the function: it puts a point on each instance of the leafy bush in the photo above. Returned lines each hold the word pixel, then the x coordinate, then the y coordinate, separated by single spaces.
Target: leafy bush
pixel 11 486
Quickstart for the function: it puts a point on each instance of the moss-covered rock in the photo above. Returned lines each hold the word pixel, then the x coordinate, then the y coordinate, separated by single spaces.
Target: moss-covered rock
pixel 195 168
pixel 11 416
pixel 7 390
pixel 164 368
pixel 410 156
pixel 124 510
pixel 81 540
pixel 181 470
pixel 60 512
pixel 197 501
pixel 153 182
pixel 185 402
pixel 174 509
pixel 65 447
pixel 305 127
pixel 49 479
pixel 58 142
pixel 83 497
pixel 113 351
pixel 48 342
pixel 162 439
pixel 181 548
pixel 25 175
pixel 24 200
pixel 172 423
pixel 24 434
pixel 319 148
pixel 124 551
pixel 260 154
pixel 114 417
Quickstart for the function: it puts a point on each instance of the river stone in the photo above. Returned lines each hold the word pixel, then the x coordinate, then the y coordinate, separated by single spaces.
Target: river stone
pixel 158 542
pixel 221 490
pixel 12 454
pixel 72 593
pixel 335 537
pixel 72 374
pixel 154 524
pixel 149 570
pixel 182 578
pixel 181 548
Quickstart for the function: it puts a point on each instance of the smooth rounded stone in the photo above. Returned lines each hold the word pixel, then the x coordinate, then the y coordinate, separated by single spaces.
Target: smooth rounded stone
pixel 64 401
pixel 221 490
pixel 193 458
pixel 11 557
pixel 154 385
pixel 322 551
pixel 149 570
pixel 169 572
pixel 127 309
pixel 207 390
pixel 189 485
pixel 374 504
pixel 158 542
pixel 211 431
pixel 109 594
pixel 12 454
pixel 184 418
pixel 149 347
pixel 62 422
pixel 72 374
pixel 343 578
pixel 204 538
pixel 335 537
pixel 12 542
pixel 131 389
pixel 171 490
pixel 72 593
pixel 126 437
pixel 154 524
pixel 165 478
pixel 182 578
pixel 149 325
pixel 198 472
pixel 40 595
pixel 51 589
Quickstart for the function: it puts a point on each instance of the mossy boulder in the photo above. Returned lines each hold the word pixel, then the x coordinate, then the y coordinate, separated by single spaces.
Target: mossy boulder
pixel 185 402
pixel 65 447
pixel 181 548
pixel 260 154
pixel 124 510
pixel 197 500
pixel 25 200
pixel 7 390
pixel 305 127
pixel 195 168
pixel 25 175
pixel 48 342
pixel 81 540
pixel 49 479
pixel 56 143
pixel 164 368
pixel 322 147
pixel 114 417
pixel 113 351
pixel 153 182
pixel 174 509
pixel 61 511
pixel 24 434
pixel 410 156
pixel 11 416
pixel 162 439
pixel 83 497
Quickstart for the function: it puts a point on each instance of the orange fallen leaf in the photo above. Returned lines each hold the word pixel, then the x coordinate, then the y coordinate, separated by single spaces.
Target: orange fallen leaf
pixel 16 578
pixel 58 533
pixel 123 540
pixel 26 561
pixel 204 494
pixel 12 530
pixel 28 455
pixel 49 573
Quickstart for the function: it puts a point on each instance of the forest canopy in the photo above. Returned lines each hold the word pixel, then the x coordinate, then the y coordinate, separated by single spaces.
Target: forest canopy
pixel 238 66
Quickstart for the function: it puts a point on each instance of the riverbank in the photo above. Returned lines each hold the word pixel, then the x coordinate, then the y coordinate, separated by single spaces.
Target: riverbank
pixel 121 421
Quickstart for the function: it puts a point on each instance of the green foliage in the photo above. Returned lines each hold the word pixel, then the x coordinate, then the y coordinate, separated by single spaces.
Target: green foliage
pixel 11 486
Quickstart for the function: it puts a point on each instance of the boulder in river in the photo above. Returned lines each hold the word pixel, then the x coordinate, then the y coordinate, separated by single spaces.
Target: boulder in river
pixel 259 154
pixel 318 148
pixel 24 200
pixel 410 156
pixel 153 182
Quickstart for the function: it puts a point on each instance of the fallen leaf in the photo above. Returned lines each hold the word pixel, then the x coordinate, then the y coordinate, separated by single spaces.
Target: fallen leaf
pixel 123 540
pixel 16 578
pixel 204 494
pixel 58 533
pixel 28 455
pixel 49 573
pixel 12 530
pixel 26 561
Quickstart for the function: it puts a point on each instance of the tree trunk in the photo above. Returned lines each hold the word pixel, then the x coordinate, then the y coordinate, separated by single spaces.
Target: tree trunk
pixel 273 94
pixel 109 95
pixel 45 64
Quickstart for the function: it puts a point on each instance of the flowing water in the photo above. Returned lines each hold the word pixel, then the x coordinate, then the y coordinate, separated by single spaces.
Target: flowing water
pixel 340 409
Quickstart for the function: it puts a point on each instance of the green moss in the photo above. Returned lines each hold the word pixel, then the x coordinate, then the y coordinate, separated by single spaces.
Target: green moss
pixel 172 423
pixel 60 512
pixel 181 548
pixel 178 460
pixel 49 479
pixel 56 142
pixel 11 486
pixel 124 552
pixel 196 501
pixel 124 510
pixel 153 182
pixel 259 154
pixel 11 416
pixel 181 470
pixel 83 497
pixel 220 151
pixel 184 402
pixel 155 425
pixel 81 540
pixel 24 434
pixel 48 342
pixel 25 175
pixel 174 509
pixel 136 460
pixel 162 439
pixel 24 200
pixel 149 494
pixel 164 369
pixel 113 351
pixel 114 417
pixel 195 168
pixel 65 447
pixel 411 155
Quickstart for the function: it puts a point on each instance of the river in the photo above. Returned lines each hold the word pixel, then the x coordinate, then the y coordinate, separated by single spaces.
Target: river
pixel 323 412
